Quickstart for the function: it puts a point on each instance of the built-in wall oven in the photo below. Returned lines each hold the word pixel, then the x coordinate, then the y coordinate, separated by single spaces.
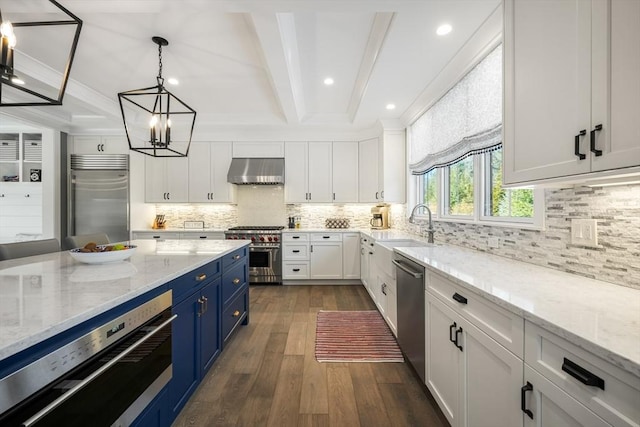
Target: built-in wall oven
pixel 265 255
pixel 104 378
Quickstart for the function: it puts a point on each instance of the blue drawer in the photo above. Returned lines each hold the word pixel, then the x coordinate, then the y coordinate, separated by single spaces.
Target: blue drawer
pixel 234 313
pixel 234 258
pixel 233 281
pixel 185 285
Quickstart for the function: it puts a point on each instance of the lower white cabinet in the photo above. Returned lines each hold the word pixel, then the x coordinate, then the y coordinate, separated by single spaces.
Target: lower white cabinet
pixel 351 255
pixel 20 211
pixel 325 256
pixel 174 235
pixel 320 256
pixel 475 380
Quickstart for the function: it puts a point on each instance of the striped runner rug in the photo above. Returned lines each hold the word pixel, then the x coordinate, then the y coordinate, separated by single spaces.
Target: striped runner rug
pixel 355 336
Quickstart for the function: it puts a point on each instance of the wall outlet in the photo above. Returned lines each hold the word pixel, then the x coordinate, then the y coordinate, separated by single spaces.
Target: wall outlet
pixel 493 242
pixel 584 232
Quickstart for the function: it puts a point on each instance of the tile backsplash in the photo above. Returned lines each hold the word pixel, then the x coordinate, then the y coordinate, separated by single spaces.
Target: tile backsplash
pixel 616 259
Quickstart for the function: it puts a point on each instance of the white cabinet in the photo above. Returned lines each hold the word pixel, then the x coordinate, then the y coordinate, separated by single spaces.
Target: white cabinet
pixel 594 389
pixel 583 117
pixel 368 187
pixel 20 211
pixel 295 256
pixel 364 261
pixel 166 179
pixel 155 235
pixel 345 171
pixel 321 172
pixel 474 378
pixel 208 167
pixel 325 256
pixel 351 255
pixel 100 145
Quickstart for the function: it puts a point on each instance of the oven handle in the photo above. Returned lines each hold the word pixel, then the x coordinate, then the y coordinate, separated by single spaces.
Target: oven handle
pixel 50 407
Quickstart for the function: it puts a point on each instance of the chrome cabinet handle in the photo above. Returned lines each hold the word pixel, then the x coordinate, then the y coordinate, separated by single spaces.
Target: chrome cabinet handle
pixel 236 257
pixel 82 384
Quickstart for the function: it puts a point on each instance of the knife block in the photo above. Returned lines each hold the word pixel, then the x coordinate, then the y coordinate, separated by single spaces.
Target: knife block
pixel 159 222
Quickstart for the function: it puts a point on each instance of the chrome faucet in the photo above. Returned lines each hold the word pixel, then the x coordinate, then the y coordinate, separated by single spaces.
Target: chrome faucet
pixel 412 219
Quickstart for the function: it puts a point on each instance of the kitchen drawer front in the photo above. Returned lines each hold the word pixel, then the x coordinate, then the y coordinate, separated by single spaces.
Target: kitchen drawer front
pixel 212 235
pixel 295 270
pixel 295 252
pixel 189 282
pixel 618 403
pixel 326 237
pixel 503 326
pixel 234 258
pixel 149 235
pixel 234 313
pixel 295 237
pixel 232 281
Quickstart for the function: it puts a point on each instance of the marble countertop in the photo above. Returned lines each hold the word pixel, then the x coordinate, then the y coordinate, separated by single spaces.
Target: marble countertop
pixel 44 295
pixel 178 229
pixel 600 317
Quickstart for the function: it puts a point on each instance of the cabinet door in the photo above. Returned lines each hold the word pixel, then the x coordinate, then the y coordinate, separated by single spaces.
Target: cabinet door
pixel 550 406
pixel 616 83
pixel 493 378
pixel 209 326
pixel 320 172
pixel 86 145
pixel 381 294
pixel 295 172
pixel 368 175
pixel 154 180
pixel 200 173
pixel 221 154
pixel 541 120
pixel 186 372
pixel 345 171
pixel 351 256
pixel 442 359
pixel 392 309
pixel 177 179
pixel 114 145
pixel 326 261
pixel 364 265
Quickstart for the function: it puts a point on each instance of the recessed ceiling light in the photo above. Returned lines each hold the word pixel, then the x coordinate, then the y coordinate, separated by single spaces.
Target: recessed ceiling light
pixel 328 81
pixel 172 81
pixel 391 106
pixel 444 29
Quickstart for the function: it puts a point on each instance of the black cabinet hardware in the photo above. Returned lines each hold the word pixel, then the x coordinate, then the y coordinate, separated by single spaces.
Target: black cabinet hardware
pixel 376 195
pixel 595 151
pixel 523 406
pixel 295 251
pixel 459 298
pixel 334 196
pixel 296 270
pixel 458 331
pixel 371 244
pixel 577 152
pixel 295 237
pixel 581 374
pixel 326 237
pixel 370 253
pixel 203 237
pixel 383 287
pixel 451 329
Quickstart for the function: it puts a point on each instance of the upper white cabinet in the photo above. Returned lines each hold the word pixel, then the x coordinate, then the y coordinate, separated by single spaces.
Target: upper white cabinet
pixel 100 145
pixel 166 179
pixel 572 91
pixel 321 172
pixel 382 166
pixel 208 167
pixel 345 171
pixel 258 149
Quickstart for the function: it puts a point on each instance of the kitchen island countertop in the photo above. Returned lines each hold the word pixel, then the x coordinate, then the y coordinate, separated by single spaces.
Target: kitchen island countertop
pixel 600 317
pixel 41 296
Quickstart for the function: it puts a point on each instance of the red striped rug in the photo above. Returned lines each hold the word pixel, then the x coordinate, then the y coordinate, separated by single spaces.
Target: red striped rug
pixel 355 336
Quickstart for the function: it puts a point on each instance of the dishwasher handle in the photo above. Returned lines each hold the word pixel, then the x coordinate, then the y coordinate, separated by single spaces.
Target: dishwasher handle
pixel 415 274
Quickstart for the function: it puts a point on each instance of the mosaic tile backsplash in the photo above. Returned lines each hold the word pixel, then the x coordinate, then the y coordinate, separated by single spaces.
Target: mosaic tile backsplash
pixel 617 210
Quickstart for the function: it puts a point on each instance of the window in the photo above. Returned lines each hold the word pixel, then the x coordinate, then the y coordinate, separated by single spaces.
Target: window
pixel 501 202
pixel 429 190
pixel 459 185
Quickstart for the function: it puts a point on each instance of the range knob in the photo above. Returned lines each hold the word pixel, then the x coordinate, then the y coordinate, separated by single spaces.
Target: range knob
pixel 270 239
pixel 262 238
pixel 244 237
pixel 253 239
pixel 275 239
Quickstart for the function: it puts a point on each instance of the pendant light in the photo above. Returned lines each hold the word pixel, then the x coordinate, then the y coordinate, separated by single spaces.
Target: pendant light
pixel 157 123
pixel 26 80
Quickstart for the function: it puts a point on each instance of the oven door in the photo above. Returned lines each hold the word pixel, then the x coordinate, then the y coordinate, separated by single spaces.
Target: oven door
pixel 265 264
pixel 110 389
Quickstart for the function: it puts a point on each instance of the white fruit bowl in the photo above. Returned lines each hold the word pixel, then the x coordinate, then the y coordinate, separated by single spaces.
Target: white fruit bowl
pixel 102 257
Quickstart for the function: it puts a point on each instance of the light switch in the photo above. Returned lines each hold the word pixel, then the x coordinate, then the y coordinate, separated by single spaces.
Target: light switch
pixel 584 232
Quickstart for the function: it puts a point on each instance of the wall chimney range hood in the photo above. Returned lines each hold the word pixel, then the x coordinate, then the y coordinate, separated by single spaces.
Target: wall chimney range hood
pixel 260 171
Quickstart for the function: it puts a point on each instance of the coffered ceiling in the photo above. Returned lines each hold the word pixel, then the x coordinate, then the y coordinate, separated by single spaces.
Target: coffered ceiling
pixel 260 63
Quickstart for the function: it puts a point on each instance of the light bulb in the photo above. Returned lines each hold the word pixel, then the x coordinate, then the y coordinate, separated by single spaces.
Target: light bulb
pixel 6 29
pixel 154 121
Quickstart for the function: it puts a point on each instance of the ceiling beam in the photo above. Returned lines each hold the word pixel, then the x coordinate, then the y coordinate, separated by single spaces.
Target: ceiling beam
pixel 379 31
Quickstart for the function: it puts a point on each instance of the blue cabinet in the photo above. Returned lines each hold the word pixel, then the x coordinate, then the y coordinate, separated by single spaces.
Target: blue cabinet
pixel 156 414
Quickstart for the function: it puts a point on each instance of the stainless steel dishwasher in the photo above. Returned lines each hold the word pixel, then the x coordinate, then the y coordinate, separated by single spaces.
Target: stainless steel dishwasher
pixel 410 291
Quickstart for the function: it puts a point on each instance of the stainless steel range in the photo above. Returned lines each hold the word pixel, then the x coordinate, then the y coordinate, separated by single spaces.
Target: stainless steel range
pixel 265 256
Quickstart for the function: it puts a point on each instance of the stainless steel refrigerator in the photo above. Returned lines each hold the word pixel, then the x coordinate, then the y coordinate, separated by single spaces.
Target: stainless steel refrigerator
pixel 99 195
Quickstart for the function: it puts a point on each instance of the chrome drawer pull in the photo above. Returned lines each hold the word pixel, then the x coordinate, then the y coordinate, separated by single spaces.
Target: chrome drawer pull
pixel 581 374
pixel 236 257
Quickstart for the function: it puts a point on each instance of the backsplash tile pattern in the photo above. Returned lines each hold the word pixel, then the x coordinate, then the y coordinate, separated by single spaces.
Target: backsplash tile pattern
pixel 616 259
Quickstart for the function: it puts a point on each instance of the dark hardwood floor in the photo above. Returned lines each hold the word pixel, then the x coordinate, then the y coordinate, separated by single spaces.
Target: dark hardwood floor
pixel 268 375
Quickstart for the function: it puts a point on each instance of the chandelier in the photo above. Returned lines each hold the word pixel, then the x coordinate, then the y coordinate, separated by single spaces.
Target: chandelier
pixel 30 75
pixel 157 123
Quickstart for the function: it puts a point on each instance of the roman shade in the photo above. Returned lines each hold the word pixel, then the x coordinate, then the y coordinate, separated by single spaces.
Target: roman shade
pixel 466 120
